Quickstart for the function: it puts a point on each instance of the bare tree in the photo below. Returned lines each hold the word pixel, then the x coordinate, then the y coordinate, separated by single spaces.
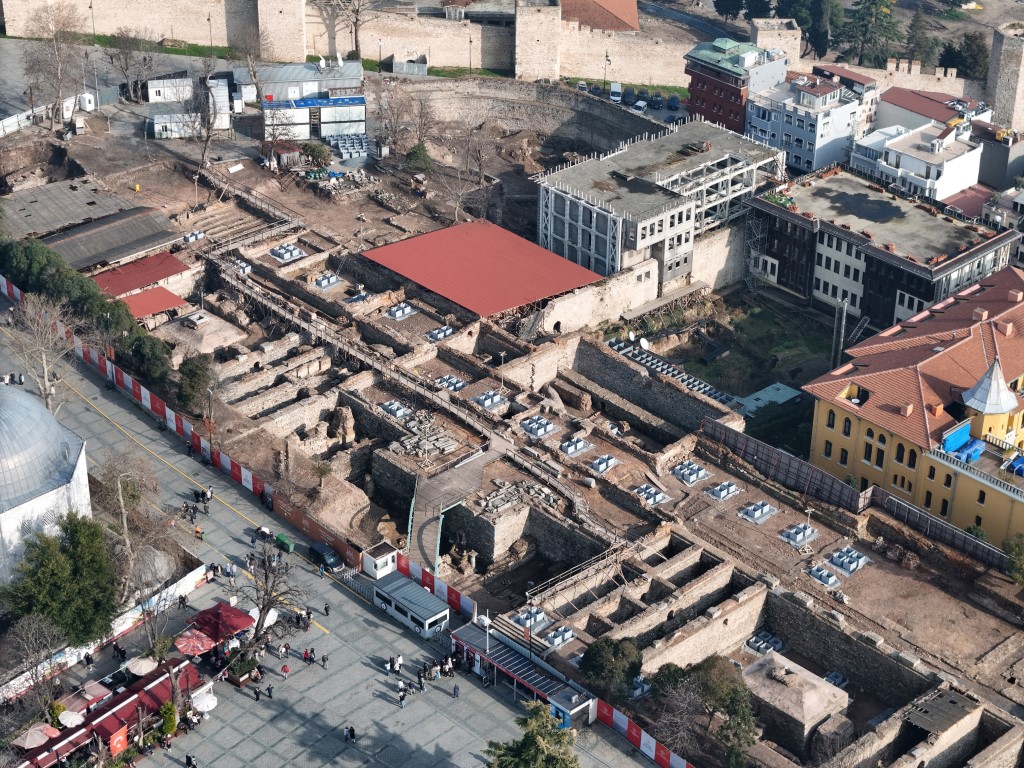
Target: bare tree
pixel 354 13
pixel 41 343
pixel 53 62
pixel 199 109
pixel 461 179
pixel 393 108
pixel 253 48
pixel 34 639
pixel 679 709
pixel 156 618
pixel 126 476
pixel 271 589
pixel 424 118
pixel 132 55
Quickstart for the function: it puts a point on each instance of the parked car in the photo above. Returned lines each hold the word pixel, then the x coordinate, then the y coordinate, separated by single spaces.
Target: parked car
pixel 640 107
pixel 321 554
pixel 595 90
pixel 643 95
pixel 582 86
pixel 615 92
pixel 670 119
pixel 629 96
pixel 657 101
pixel 673 103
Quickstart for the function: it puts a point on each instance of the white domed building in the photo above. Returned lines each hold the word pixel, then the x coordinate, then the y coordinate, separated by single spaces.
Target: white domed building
pixel 43 474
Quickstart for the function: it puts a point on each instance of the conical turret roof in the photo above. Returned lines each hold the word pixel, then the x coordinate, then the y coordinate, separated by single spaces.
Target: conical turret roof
pixel 991 394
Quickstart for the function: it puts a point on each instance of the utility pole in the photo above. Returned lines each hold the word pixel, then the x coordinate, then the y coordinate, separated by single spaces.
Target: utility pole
pixel 471 54
pixel 93 12
pixel 607 61
pixel 209 20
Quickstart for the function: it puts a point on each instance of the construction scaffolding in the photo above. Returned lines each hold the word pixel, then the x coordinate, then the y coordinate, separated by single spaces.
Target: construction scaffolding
pixel 756 242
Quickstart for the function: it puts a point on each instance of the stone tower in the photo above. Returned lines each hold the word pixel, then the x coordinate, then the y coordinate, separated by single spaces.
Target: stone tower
pixel 1005 89
pixel 538 29
pixel 284 22
pixel 783 34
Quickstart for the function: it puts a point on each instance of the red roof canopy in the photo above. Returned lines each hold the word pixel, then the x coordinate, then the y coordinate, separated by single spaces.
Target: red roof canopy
pixel 151 301
pixel 482 267
pixel 222 621
pixel 139 274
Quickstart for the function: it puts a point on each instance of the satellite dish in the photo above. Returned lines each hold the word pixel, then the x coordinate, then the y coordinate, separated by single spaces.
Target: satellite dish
pixel 645 344
pixel 322 65
pixel 632 336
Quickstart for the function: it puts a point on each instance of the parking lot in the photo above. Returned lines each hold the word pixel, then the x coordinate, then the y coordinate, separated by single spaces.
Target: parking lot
pixel 634 94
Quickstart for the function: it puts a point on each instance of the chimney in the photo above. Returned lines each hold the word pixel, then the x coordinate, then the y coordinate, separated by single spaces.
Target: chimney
pixel 935 409
pixel 980 315
pixel 1005 327
pixel 906 409
pixel 1015 296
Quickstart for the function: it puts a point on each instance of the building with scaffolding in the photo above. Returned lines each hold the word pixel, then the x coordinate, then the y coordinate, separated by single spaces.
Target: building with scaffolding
pixel 832 238
pixel 651 198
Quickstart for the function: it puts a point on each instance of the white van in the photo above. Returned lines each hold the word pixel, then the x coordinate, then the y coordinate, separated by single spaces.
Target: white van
pixel 615 92
pixel 640 107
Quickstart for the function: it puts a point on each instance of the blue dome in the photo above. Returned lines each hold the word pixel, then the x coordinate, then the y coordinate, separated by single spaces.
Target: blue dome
pixel 37 454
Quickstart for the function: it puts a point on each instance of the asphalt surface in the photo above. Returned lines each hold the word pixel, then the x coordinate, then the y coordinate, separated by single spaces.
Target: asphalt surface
pixel 301 724
pixel 698 22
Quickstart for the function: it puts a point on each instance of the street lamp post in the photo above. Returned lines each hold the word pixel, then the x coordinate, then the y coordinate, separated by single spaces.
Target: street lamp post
pixel 380 54
pixel 607 61
pixel 209 20
pixel 93 12
pixel 471 55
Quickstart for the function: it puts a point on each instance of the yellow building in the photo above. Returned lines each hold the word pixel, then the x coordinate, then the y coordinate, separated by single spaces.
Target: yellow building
pixel 930 409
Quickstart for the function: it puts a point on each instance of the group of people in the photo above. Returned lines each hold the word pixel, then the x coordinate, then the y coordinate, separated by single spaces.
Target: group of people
pixel 191 511
pixel 429 671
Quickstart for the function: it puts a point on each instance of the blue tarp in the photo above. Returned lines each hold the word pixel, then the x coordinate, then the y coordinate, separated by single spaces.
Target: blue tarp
pixel 341 101
pixel 957 437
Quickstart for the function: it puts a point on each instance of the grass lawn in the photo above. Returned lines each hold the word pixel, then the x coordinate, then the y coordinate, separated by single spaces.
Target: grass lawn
pixel 190 49
pixel 666 90
pixel 464 71
pixel 786 425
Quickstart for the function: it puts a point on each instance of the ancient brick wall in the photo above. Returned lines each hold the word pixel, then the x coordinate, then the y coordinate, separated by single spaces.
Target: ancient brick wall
pixel 537 35
pixel 637 59
pixel 1006 75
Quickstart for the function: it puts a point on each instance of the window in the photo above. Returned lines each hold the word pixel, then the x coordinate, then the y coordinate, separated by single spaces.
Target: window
pixel 981 497
pixel 867 452
pixel 846 271
pixel 847 426
pixel 831 421
pixel 944 511
pixel 817 283
pixel 931 473
pixel 900 452
pixel 828 449
pixel 844 457
pixel 401 611
pixel 912 459
pixel 977 520
pixel 928 499
pixel 817 259
pixel 948 482
pixel 879 458
pixel 881 439
pixel 870 435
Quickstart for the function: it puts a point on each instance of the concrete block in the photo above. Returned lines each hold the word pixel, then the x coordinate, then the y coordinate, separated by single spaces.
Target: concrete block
pixel 801 598
pixel 713 612
pixel 870 638
pixel 770 581
pixel 907 659
pixel 836 618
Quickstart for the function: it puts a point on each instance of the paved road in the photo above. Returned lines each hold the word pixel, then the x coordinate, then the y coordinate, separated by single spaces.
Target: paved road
pixel 300 725
pixel 699 22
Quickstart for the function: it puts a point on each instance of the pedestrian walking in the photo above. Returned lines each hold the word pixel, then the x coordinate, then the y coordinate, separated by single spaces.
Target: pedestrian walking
pixel 401 699
pixel 305 656
pixel 351 733
pixel 401 686
pixel 345 731
pixel 327 609
pixel 312 655
pixel 209 493
pixel 419 679
pixel 391 665
pixel 252 542
pixel 257 692
pixel 309 613
pixel 323 661
pixel 234 570
pixel 321 570
pixel 270 691
pixel 189 762
pixel 455 691
pixel 285 670
pixel 206 507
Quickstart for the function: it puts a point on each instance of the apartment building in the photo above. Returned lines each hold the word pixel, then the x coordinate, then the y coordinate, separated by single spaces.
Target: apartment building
pixel 722 74
pixel 835 237
pixel 932 161
pixel 931 409
pixel 810 118
pixel 650 199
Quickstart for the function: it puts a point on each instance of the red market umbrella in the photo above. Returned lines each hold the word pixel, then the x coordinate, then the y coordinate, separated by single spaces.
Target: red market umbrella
pixel 192 642
pixel 222 621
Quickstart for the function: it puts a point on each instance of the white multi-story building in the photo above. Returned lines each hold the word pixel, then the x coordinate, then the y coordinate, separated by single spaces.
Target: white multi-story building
pixel 810 118
pixel 933 161
pixel 650 199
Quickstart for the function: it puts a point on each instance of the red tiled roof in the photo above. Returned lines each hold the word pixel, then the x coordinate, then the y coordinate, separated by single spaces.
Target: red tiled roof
pixel 831 70
pixel 482 267
pixel 151 301
pixel 931 104
pixel 620 15
pixel 970 200
pixel 931 358
pixel 139 274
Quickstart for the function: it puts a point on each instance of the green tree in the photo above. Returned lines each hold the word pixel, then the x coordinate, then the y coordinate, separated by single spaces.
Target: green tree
pixel 543 745
pixel 729 9
pixel 757 9
pixel 319 154
pixel 715 679
pixel 610 665
pixel 196 376
pixel 820 21
pixel 1014 548
pixel 921 46
pixel 419 159
pixel 169 713
pixel 151 359
pixel 67 578
pixel 739 732
pixel 977 532
pixel 870 32
pixel 970 57
pixel 29 264
pixel 667 677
